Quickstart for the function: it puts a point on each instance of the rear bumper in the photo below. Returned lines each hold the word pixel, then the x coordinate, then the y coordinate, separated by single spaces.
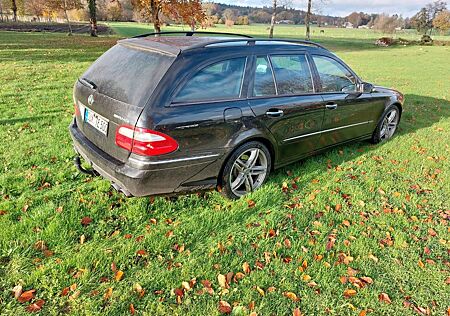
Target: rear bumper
pixel 136 178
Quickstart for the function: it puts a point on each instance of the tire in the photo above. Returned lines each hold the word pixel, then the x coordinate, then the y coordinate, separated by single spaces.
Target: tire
pixel 387 126
pixel 240 175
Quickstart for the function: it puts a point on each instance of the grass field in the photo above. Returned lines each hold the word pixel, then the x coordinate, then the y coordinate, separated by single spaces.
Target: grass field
pixel 355 224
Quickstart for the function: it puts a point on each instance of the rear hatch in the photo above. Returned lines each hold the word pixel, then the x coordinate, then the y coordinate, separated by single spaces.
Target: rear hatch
pixel 114 91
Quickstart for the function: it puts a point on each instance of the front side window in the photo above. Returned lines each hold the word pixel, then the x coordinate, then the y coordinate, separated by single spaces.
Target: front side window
pixel 292 74
pixel 334 77
pixel 264 84
pixel 222 80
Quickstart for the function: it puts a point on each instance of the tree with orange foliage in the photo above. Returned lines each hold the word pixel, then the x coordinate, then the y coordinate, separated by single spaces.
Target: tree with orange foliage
pixel 185 11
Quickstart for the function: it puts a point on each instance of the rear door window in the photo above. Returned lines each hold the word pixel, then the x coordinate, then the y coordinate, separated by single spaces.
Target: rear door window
pixel 292 74
pixel 222 80
pixel 128 74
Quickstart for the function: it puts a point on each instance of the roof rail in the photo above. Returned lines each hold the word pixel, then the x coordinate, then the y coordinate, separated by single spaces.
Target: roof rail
pixel 190 33
pixel 253 41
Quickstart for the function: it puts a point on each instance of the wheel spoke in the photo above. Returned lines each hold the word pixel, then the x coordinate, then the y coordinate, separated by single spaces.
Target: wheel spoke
pixel 253 158
pixel 238 181
pixel 240 165
pixel 391 117
pixel 248 183
pixel 257 170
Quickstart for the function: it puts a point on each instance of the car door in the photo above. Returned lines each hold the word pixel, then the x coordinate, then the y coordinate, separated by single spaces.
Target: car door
pixel 282 96
pixel 349 113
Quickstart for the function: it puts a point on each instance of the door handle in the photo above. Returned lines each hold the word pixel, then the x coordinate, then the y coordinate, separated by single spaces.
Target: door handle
pixel 274 113
pixel 331 106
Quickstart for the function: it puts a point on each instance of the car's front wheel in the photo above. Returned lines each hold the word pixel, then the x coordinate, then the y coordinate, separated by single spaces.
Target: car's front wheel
pixel 387 126
pixel 246 170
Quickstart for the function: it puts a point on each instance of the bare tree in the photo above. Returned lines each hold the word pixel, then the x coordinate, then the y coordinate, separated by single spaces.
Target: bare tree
pixel 93 17
pixel 14 10
pixel 308 20
pixel 309 13
pixel 275 4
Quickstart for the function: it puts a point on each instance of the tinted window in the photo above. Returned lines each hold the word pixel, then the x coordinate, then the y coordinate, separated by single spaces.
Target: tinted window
pixel 264 84
pixel 128 75
pixel 222 80
pixel 292 74
pixel 334 76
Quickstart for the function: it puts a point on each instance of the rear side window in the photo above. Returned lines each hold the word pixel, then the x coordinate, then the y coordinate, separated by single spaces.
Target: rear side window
pixel 219 81
pixel 292 74
pixel 127 74
pixel 334 77
pixel 264 84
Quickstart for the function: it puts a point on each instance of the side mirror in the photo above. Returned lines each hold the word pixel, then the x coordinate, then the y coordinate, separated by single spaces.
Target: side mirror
pixel 366 87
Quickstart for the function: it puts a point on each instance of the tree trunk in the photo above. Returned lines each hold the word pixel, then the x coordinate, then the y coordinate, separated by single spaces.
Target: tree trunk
pixel 93 17
pixel 67 18
pixel 272 21
pixel 308 21
pixel 154 6
pixel 14 9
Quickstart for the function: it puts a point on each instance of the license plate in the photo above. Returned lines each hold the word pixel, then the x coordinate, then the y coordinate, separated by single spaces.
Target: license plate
pixel 96 120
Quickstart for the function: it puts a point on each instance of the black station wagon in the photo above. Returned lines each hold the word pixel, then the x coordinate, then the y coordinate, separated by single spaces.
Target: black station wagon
pixel 170 114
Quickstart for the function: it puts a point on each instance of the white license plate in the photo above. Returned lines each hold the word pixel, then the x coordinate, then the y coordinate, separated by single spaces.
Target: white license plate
pixel 96 120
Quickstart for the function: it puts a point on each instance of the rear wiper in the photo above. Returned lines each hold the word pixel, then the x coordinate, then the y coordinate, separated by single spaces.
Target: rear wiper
pixel 88 83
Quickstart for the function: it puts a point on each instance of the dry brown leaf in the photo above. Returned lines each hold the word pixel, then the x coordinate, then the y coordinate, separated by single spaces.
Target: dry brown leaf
pixel 36 306
pixel 26 296
pixel 296 312
pixel 85 221
pixel 349 293
pixel 287 243
pixel 383 297
pixel 225 307
pixel 132 310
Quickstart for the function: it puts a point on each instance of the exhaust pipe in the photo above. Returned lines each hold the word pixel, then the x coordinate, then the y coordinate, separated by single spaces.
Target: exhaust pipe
pixel 119 189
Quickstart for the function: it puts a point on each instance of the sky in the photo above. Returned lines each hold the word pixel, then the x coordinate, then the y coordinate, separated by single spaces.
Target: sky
pixel 407 8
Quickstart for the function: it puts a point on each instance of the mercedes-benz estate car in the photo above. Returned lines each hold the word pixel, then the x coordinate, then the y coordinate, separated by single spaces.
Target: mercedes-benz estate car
pixel 170 114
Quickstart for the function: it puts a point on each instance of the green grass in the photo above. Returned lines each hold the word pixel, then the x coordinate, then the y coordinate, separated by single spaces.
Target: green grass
pixel 394 200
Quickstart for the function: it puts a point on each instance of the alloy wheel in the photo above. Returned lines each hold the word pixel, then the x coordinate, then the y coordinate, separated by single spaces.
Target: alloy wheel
pixel 248 172
pixel 389 126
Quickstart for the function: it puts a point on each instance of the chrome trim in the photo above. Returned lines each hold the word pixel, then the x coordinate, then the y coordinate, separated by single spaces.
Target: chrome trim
pixel 327 130
pixel 173 160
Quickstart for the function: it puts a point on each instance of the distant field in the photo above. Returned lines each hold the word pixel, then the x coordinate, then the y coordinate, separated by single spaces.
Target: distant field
pixel 360 229
pixel 127 29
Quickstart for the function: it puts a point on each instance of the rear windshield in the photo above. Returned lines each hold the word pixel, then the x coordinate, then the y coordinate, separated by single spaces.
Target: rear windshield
pixel 128 74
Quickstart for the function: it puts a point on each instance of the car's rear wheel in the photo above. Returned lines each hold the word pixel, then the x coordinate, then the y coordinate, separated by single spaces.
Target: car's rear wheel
pixel 246 170
pixel 387 126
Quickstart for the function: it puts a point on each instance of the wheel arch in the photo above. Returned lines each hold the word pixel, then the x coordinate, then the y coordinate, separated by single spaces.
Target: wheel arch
pixel 258 138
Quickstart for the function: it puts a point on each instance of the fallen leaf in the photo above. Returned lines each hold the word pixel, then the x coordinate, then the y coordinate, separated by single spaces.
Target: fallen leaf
pixel 119 275
pixel 108 293
pixel 291 295
pixel 246 267
pixel 17 291
pixel 85 221
pixel 251 203
pixel 26 296
pixel 287 243
pixel 363 313
pixel 222 281
pixel 260 291
pixel 367 280
pixel 132 310
pixel 296 312
pixel 224 307
pixel 349 293
pixel 36 306
pixel 383 297
pixel 338 207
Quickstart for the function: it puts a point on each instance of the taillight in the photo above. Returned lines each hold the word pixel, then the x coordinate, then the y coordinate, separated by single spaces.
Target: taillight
pixel 144 142
pixel 77 110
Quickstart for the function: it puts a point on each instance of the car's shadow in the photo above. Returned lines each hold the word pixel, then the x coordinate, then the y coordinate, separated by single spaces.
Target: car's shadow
pixel 418 112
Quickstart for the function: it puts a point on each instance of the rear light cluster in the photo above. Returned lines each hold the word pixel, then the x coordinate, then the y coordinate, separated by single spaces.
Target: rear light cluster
pixel 77 110
pixel 143 141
